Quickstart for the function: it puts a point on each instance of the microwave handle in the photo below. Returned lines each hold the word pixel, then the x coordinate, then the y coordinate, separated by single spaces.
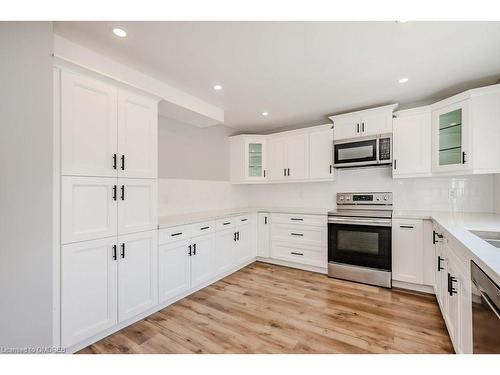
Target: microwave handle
pixel 378 150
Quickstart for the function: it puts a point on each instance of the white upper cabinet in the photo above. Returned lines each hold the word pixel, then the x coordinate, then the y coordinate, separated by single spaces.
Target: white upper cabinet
pixel 88 289
pixel 363 123
pixel 320 152
pixel 88 208
pixel 248 158
pixel 138 273
pixel 277 159
pixel 137 136
pixel 465 132
pixel 289 156
pixel 137 205
pixel 88 126
pixel 412 143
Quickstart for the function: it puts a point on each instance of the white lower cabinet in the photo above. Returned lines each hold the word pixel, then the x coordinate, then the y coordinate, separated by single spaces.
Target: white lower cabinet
pixel 88 289
pixel 263 234
pixel 224 249
pixel 407 251
pixel 174 269
pixel 202 259
pixel 137 274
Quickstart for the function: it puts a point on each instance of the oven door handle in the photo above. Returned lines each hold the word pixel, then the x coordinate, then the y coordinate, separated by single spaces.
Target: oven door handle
pixel 487 300
pixel 360 221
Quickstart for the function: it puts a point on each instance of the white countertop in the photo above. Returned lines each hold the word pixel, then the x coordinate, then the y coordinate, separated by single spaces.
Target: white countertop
pixel 196 217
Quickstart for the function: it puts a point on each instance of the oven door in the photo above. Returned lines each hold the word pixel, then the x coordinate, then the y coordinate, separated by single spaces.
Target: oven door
pixel 355 153
pixel 360 242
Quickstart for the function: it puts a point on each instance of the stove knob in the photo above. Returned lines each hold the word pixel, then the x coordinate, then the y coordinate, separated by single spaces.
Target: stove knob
pixel 378 198
pixel 341 197
pixel 386 197
pixel 348 198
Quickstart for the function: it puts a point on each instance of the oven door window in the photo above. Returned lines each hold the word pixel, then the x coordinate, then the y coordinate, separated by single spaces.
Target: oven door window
pixel 355 152
pixel 360 245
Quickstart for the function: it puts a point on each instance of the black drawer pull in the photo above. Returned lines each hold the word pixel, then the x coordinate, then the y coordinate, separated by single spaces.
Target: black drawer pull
pixel 297 234
pixel 226 223
pixel 175 234
pixel 204 228
pixel 439 264
pixel 296 219
pixel 244 219
pixel 294 253
pixel 406 226
pixel 114 161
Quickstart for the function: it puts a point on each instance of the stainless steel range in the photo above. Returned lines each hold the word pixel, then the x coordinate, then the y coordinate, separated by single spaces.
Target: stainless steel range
pixel 359 238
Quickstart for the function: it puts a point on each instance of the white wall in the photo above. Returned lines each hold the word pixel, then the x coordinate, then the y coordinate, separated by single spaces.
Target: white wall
pixel 26 184
pixel 476 192
pixel 189 152
pixel 497 193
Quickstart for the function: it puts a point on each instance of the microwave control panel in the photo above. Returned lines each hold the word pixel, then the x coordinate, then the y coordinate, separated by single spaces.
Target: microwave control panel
pixel 384 149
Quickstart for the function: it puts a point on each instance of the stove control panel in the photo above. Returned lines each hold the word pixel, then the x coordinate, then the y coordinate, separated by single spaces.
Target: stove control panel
pixel 364 198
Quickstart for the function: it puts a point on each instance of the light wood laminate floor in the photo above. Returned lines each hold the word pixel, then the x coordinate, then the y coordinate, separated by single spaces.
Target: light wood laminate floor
pixel 272 309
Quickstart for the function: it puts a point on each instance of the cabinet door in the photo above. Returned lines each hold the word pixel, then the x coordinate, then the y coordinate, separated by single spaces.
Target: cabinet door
pixel 297 157
pixel 453 305
pixel 411 145
pixel 255 159
pixel 88 208
pixel 138 273
pixel 346 127
pixel 137 205
pixel 202 259
pixel 277 158
pixel 407 251
pixel 88 126
pixel 174 270
pixel 376 123
pixel 88 289
pixel 450 151
pixel 244 244
pixel 137 136
pixel 263 235
pixel 320 153
pixel 225 245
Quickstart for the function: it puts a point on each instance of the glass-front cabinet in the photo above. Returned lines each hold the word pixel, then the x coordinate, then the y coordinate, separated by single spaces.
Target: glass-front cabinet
pixel 255 159
pixel 450 148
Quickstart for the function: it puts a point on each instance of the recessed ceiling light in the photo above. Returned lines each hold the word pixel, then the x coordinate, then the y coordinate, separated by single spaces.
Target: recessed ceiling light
pixel 265 113
pixel 119 32
pixel 403 80
pixel 217 87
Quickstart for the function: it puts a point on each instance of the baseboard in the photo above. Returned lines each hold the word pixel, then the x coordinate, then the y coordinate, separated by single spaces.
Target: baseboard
pixel 299 266
pixel 415 287
pixel 126 323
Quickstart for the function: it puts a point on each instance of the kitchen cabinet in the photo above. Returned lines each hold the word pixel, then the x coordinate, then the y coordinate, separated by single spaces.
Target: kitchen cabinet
pixel 289 157
pixel 412 143
pixel 137 205
pixel 89 294
pixel 363 123
pixel 465 133
pixel 106 131
pixel 248 159
pixel 244 249
pixel 225 244
pixel 407 251
pixel 88 208
pixel 137 273
pixel 174 272
pixel 89 126
pixel 137 135
pixel 202 259
pixel 321 152
pixel 263 234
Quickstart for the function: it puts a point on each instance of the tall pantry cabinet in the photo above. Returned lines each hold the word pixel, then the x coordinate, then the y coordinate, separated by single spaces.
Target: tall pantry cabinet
pixel 108 189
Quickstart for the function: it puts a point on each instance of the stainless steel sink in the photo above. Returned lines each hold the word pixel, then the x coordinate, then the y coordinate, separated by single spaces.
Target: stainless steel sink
pixel 492 238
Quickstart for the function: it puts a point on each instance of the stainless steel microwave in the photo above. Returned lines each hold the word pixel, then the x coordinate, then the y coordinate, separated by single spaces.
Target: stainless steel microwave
pixel 363 151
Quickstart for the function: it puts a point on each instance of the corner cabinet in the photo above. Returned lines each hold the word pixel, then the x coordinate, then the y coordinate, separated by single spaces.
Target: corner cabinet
pixel 412 143
pixel 248 159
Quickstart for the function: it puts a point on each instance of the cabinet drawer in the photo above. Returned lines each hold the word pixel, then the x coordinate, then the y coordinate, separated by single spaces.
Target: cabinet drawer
pixel 203 228
pixel 228 222
pixel 181 232
pixel 316 220
pixel 243 219
pixel 297 233
pixel 314 256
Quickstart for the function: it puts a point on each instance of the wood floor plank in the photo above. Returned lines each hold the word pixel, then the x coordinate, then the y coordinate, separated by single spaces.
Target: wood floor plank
pixel 264 308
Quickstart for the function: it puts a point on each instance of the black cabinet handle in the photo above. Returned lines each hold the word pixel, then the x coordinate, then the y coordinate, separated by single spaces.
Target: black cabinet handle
pixel 190 247
pixel 395 164
pixel 288 171
pixel 264 173
pixel 238 235
pixel 114 252
pixel 123 192
pixel 284 171
pixel 114 161
pixel 114 192
pixel 363 127
pixel 294 253
pixel 203 228
pixel 463 157
pixel 434 235
pixel 234 237
pixel 123 162
pixel 297 234
pixel 194 249
pixel 265 219
pixel 123 251
pixel 439 264
pixel 330 169
pixel 175 234
pixel 226 223
pixel 296 219
pixel 406 226
pixel 357 128
pixel 244 219
pixel 451 289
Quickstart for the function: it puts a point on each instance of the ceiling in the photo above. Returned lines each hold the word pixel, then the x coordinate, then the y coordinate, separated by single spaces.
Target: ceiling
pixel 300 72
